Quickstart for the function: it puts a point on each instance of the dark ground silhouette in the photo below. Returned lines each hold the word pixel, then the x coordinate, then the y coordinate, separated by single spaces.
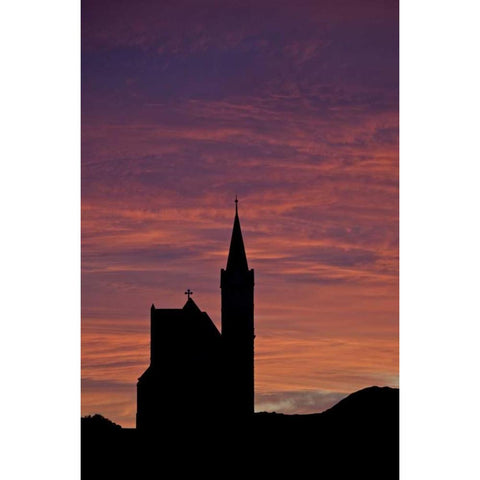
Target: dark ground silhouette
pixel 357 438
pixel 192 363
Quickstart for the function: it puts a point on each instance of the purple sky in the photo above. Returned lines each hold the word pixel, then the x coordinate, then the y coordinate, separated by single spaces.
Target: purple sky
pixel 294 107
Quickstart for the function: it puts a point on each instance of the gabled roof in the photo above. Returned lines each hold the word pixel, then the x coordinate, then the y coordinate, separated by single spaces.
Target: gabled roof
pixel 191 307
pixel 198 321
pixel 187 321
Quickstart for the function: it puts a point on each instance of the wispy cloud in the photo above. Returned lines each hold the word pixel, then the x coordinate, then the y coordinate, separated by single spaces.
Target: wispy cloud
pixel 293 108
pixel 297 402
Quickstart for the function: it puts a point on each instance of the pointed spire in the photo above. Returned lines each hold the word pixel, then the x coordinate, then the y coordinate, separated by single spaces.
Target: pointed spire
pixel 237 259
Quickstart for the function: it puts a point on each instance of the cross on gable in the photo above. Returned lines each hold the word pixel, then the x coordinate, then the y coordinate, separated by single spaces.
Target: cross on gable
pixel 188 292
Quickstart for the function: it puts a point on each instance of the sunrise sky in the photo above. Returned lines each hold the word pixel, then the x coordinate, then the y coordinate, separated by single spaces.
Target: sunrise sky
pixel 294 107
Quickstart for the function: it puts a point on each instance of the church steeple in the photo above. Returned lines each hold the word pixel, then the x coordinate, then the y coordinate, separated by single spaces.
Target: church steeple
pixel 238 333
pixel 237 258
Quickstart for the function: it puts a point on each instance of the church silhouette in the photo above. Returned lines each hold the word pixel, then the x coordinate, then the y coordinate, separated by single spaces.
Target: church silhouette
pixel 192 363
pixel 195 404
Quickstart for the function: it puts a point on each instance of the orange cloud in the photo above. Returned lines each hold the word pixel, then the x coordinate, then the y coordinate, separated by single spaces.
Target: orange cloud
pixel 303 127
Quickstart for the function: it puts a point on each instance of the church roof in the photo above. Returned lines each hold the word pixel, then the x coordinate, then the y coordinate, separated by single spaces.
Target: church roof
pixel 187 321
pixel 237 258
pixel 191 306
pixel 199 321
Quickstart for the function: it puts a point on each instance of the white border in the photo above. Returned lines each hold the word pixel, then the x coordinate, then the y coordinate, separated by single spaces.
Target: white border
pixel 40 239
pixel 439 239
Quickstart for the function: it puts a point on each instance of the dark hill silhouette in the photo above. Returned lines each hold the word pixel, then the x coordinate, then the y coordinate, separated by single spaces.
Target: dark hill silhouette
pixel 98 423
pixel 359 436
pixel 356 438
pixel 365 404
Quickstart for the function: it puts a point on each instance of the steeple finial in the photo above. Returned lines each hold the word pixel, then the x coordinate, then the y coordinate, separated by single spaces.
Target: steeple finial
pixel 236 205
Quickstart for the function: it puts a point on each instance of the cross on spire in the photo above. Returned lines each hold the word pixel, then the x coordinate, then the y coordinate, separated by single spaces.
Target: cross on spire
pixel 188 293
pixel 236 204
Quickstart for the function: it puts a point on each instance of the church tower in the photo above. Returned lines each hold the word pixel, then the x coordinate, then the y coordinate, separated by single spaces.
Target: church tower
pixel 236 282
